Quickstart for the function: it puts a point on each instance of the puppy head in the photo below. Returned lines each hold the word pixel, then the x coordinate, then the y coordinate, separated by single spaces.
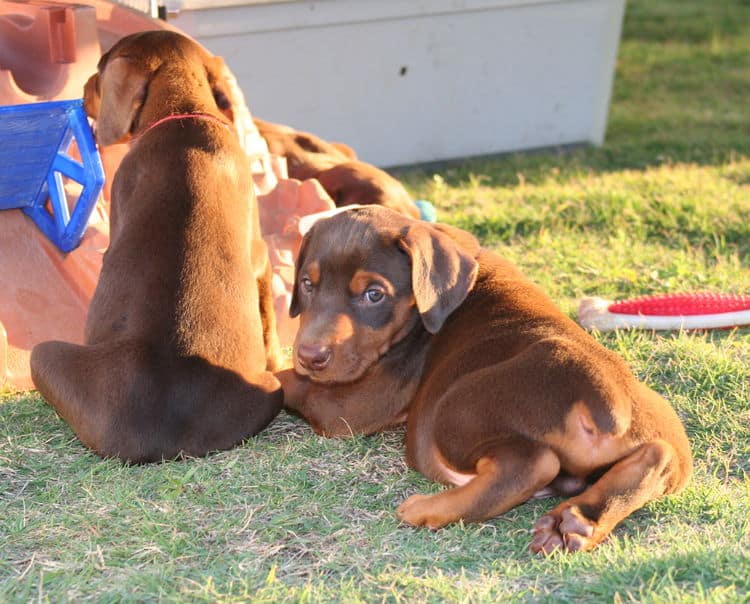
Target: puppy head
pixel 364 279
pixel 116 95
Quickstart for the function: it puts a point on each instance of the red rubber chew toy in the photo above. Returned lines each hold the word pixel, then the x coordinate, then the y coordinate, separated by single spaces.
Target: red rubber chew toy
pixel 666 312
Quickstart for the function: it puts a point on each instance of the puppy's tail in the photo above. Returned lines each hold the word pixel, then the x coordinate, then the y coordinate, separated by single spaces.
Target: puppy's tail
pixel 125 399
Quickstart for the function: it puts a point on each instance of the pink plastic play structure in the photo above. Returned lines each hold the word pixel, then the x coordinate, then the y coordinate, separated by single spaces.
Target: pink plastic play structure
pixel 47 52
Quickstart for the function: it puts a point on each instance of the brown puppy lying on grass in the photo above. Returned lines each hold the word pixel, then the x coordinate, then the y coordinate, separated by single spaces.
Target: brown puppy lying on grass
pixel 504 397
pixel 346 179
pixel 180 332
pixel 306 154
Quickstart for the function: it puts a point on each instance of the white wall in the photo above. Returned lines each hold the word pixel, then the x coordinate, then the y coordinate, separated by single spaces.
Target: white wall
pixel 407 81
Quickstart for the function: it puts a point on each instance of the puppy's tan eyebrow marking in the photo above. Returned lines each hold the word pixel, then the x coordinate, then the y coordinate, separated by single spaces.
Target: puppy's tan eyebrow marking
pixel 362 279
pixel 313 271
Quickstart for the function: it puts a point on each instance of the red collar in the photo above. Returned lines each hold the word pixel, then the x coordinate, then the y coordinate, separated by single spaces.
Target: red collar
pixel 181 116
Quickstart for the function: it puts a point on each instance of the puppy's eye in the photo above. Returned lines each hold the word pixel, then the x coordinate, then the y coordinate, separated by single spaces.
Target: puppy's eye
pixel 373 295
pixel 307 285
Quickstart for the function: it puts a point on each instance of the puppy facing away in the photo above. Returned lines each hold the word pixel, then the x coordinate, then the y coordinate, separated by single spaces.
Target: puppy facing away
pixel 504 397
pixel 345 178
pixel 180 334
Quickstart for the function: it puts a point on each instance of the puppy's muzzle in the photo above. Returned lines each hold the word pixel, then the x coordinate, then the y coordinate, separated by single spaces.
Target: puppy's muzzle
pixel 313 357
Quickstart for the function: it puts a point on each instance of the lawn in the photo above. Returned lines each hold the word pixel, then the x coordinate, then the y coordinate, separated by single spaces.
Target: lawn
pixel 663 206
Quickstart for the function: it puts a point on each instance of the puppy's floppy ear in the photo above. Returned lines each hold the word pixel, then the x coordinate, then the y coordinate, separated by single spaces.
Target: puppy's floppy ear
pixel 218 79
pixel 123 85
pixel 465 240
pixel 442 273
pixel 294 309
pixel 91 98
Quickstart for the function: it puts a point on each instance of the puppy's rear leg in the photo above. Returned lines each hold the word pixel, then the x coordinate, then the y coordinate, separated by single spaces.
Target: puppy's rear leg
pixel 514 470
pixel 124 399
pixel 66 376
pixel 580 523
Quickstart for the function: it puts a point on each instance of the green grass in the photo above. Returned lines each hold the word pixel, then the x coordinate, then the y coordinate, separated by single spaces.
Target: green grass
pixel 663 206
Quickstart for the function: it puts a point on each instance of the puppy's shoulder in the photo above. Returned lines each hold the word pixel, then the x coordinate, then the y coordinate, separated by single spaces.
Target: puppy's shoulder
pixel 493 266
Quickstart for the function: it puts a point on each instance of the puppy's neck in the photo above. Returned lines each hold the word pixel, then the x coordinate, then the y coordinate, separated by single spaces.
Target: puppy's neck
pixel 180 117
pixel 404 362
pixel 410 343
pixel 194 98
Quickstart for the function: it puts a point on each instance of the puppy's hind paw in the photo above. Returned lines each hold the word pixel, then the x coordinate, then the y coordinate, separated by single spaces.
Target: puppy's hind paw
pixel 422 510
pixel 565 529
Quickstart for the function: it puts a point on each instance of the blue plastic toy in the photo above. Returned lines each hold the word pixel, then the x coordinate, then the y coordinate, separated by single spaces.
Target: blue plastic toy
pixel 34 141
pixel 426 210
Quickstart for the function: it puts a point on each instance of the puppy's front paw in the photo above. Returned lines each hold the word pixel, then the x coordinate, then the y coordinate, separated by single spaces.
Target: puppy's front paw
pixel 423 510
pixel 565 528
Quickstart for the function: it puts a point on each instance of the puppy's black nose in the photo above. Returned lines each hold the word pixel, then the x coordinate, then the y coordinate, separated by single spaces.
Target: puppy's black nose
pixel 313 357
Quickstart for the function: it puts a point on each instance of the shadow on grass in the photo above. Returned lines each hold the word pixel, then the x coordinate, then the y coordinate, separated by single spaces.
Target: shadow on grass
pixel 677 575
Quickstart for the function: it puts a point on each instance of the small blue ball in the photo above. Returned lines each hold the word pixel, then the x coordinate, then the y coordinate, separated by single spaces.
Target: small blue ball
pixel 426 210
